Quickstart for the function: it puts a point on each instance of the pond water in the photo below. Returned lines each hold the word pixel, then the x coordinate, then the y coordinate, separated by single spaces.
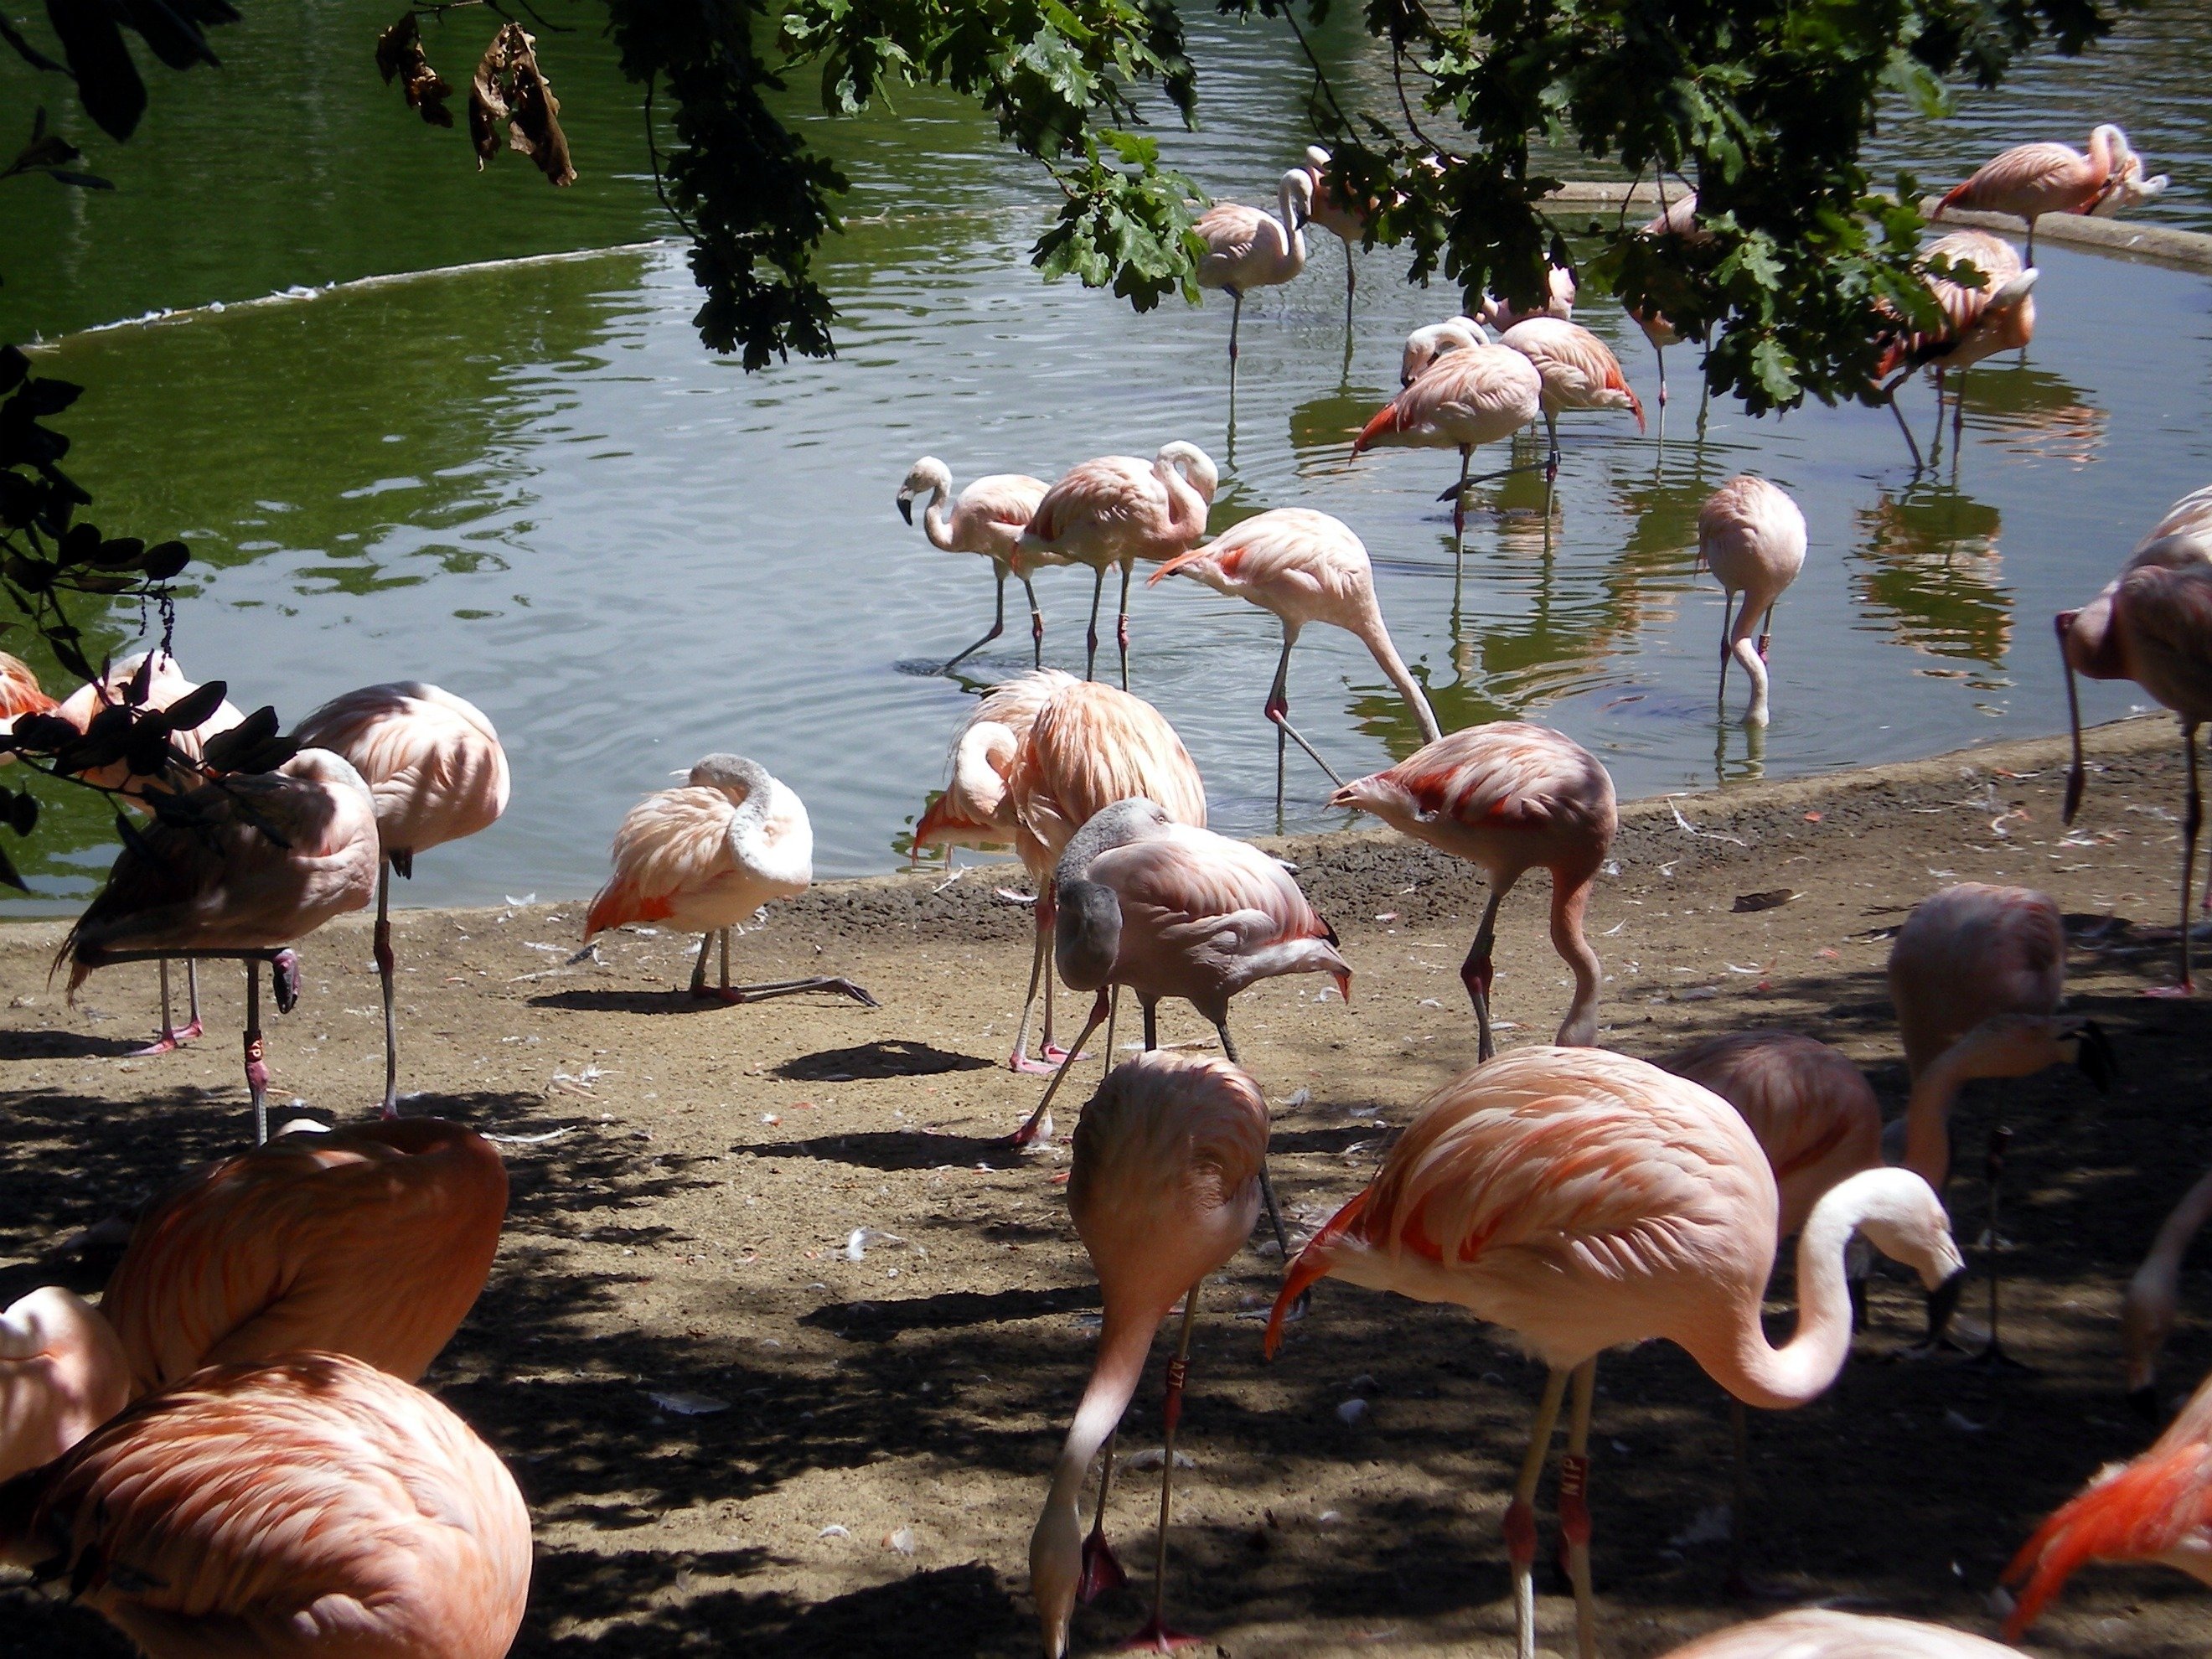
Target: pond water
pixel 526 481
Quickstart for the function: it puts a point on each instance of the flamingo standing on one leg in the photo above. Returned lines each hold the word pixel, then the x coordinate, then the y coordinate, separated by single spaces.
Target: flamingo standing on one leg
pixel 1305 566
pixel 1474 394
pixel 1752 536
pixel 1583 1201
pixel 1677 219
pixel 1248 247
pixel 433 764
pixel 306 1506
pixel 703 857
pixel 1822 1634
pixel 988 518
pixel 272 857
pixel 2153 624
pixel 1509 797
pixel 61 1375
pixel 2154 1295
pixel 1977 323
pixel 1348 223
pixel 1163 1190
pixel 2030 180
pixel 1578 370
pixel 1115 510
pixel 2159 1508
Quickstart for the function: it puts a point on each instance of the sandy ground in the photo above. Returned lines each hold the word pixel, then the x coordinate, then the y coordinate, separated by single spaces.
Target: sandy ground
pixel 737 1435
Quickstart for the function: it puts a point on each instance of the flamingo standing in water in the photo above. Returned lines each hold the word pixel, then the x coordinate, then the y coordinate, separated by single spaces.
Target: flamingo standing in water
pixel 151 680
pixel 704 857
pixel 1578 370
pixel 433 764
pixel 272 857
pixel 2153 624
pixel 2030 180
pixel 2154 1296
pixel 988 518
pixel 1348 223
pixel 1163 1190
pixel 1247 247
pixel 2159 1508
pixel 1977 323
pixel 1115 510
pixel 1752 536
pixel 1559 301
pixel 1583 1201
pixel 1430 342
pixel 1475 393
pixel 1305 566
pixel 1677 219
pixel 1508 798
pixel 305 1506
pixel 61 1375
pixel 1822 1634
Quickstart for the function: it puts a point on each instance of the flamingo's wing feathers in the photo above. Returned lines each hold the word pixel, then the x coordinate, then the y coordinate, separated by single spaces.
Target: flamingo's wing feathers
pixel 672 841
pixel 1111 490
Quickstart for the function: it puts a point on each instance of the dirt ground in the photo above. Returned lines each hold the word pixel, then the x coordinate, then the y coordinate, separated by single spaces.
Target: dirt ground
pixel 747 1424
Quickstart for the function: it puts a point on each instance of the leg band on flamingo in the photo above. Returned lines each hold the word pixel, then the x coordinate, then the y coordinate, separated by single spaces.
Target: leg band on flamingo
pixel 1574 1499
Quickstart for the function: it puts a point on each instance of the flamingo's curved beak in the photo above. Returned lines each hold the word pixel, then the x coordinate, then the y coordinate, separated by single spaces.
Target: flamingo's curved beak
pixel 906 508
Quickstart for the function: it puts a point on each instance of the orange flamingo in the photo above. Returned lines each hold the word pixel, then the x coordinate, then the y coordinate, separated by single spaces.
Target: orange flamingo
pixel 704 857
pixel 1305 566
pixel 1343 220
pixel 1247 247
pixel 432 764
pixel 372 1242
pixel 304 1507
pixel 270 858
pixel 1163 1190
pixel 61 1375
pixel 988 518
pixel 1476 393
pixel 2153 624
pixel 1115 510
pixel 2154 1296
pixel 1999 315
pixel 2030 180
pixel 1752 536
pixel 1583 1199
pixel 2158 1508
pixel 1508 798
pixel 1821 1633
pixel 1578 370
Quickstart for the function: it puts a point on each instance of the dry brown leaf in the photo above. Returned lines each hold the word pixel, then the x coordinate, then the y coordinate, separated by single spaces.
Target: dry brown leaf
pixel 399 53
pixel 509 88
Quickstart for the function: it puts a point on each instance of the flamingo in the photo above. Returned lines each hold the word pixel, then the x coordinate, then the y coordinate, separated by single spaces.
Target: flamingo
pixel 1677 220
pixel 2154 1295
pixel 20 694
pixel 1346 222
pixel 1305 566
pixel 1823 1633
pixel 269 858
pixel 2153 624
pixel 1508 798
pixel 372 1242
pixel 1752 536
pixel 152 681
pixel 1583 1199
pixel 704 857
pixel 2159 1508
pixel 1559 301
pixel 1475 393
pixel 1578 370
pixel 988 518
pixel 61 1375
pixel 1170 910
pixel 1115 510
pixel 434 765
pixel 1977 322
pixel 305 1506
pixel 1248 247
pixel 2030 180
pixel 1430 342
pixel 1163 1190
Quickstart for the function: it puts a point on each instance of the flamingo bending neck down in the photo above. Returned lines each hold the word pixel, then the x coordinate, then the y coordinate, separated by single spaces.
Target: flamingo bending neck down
pixel 1247 248
pixel 2030 180
pixel 1584 1199
pixel 1578 370
pixel 1348 223
pixel 1751 537
pixel 1304 567
pixel 988 518
pixel 2154 1296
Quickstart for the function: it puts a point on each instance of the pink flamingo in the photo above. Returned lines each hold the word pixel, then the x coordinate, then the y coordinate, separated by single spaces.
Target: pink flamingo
pixel 1163 1190
pixel 988 518
pixel 20 694
pixel 1509 798
pixel 1345 222
pixel 1821 1633
pixel 1430 342
pixel 1559 301
pixel 305 1506
pixel 1679 220
pixel 272 857
pixel 2153 624
pixel 2030 180
pixel 151 680
pixel 1115 510
pixel 1247 247
pixel 2159 1508
pixel 2154 1295
pixel 1752 536
pixel 1305 566
pixel 1583 1199
pixel 1475 393
pixel 703 857
pixel 61 1375
pixel 1977 323
pixel 1578 370
pixel 434 765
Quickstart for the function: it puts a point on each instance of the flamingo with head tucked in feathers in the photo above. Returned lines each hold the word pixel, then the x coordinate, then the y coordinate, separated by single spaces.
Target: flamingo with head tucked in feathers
pixel 1248 247
pixel 988 518
pixel 1475 393
pixel 2029 180
pixel 61 1375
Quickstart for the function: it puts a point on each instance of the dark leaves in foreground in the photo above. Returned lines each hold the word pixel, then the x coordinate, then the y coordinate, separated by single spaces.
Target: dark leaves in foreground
pixel 49 153
pixel 91 36
pixel 509 89
pixel 400 55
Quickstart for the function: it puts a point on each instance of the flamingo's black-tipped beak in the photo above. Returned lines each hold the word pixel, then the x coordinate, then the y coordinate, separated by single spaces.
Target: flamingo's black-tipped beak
pixel 1942 1302
pixel 906 508
pixel 2099 1060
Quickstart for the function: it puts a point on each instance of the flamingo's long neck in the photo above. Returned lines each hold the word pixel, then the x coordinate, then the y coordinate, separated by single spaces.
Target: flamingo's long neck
pixel 2175 1234
pixel 1056 1546
pixel 1569 900
pixel 1187 509
pixel 1775 1379
pixel 2103 153
pixel 936 519
pixel 1377 638
pixel 1294 233
pixel 1927 1114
